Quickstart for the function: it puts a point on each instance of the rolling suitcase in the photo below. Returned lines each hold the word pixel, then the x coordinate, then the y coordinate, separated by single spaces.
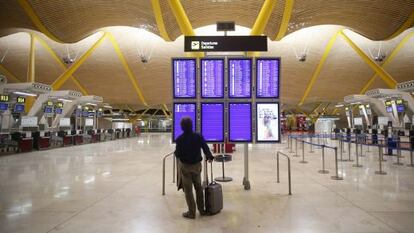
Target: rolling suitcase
pixel 214 195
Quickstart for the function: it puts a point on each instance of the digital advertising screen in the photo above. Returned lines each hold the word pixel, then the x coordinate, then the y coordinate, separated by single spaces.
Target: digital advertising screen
pixel 18 108
pixel 267 77
pixel 183 110
pixel 240 122
pixel 212 78
pixel 240 77
pixel 4 106
pixel 212 122
pixel 184 77
pixel 267 122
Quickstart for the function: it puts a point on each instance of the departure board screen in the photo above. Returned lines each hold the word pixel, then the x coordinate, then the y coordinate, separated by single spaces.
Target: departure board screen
pixel 240 77
pixel 4 106
pixel 267 77
pixel 184 78
pixel 212 78
pixel 267 122
pixel 240 122
pixel 18 108
pixel 48 110
pixel 212 122
pixel 183 110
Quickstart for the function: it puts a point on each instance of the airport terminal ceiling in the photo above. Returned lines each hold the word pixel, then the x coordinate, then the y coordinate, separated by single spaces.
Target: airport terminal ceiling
pixel 122 30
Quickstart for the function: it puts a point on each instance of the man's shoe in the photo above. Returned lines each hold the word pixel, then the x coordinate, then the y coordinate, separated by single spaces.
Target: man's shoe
pixel 188 215
pixel 204 213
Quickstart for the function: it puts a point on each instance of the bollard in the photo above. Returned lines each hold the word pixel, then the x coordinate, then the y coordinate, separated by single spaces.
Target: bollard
pixel 380 155
pixel 336 176
pixel 323 171
pixel 357 156
pixel 311 144
pixel 411 159
pixel 303 152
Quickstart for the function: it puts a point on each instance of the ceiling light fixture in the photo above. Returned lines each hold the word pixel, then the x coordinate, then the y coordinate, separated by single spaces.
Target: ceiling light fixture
pixel 24 93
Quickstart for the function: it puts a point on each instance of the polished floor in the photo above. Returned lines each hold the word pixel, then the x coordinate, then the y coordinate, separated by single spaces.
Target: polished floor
pixel 116 187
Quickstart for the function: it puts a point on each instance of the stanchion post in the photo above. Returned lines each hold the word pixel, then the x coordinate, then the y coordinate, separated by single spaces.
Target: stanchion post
pixel 357 155
pixel 380 155
pixel 174 165
pixel 411 159
pixel 311 144
pixel 303 152
pixel 277 168
pixel 349 151
pixel 336 176
pixel 323 171
pixel 296 147
pixel 398 154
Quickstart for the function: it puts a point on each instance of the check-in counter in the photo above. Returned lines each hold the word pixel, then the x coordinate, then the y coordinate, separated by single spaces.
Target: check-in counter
pixel 44 143
pixel 26 145
pixel 78 139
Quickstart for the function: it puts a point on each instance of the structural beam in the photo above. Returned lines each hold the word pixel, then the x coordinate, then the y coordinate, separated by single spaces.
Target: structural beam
pixel 28 9
pixel 287 13
pixel 407 24
pixel 263 17
pixel 393 54
pixel 181 17
pixel 143 113
pixel 32 57
pixel 166 109
pixel 384 75
pixel 128 70
pixel 58 83
pixel 8 73
pixel 319 67
pixel 165 113
pixel 156 8
pixel 60 62
pixel 155 112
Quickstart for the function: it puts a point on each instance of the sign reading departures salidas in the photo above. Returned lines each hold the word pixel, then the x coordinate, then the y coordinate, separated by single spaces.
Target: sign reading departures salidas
pixel 225 43
pixel 232 115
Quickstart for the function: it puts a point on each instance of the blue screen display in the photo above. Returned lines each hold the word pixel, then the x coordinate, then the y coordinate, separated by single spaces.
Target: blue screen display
pixel 184 78
pixel 400 108
pixel 85 113
pixel 240 78
pixel 389 109
pixel 212 122
pixel 48 110
pixel 4 106
pixel 267 78
pixel 58 111
pixel 240 122
pixel 212 78
pixel 18 108
pixel 183 110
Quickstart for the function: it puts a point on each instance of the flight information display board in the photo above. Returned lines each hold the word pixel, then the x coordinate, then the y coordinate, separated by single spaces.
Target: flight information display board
pixel 212 122
pixel 240 77
pixel 267 122
pixel 240 122
pixel 212 78
pixel 48 109
pixel 4 106
pixel 184 77
pixel 18 108
pixel 267 77
pixel 183 110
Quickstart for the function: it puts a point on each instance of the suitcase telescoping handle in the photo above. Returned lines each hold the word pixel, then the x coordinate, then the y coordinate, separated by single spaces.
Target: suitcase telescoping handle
pixel 211 171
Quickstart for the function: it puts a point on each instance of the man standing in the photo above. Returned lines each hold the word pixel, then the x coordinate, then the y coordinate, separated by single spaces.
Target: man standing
pixel 188 151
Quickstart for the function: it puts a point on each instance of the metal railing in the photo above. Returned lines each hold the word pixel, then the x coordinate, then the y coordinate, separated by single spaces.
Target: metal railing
pixel 163 170
pixel 289 173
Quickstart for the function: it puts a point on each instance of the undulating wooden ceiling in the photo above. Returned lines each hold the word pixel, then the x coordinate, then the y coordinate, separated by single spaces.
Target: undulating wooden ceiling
pixel 74 26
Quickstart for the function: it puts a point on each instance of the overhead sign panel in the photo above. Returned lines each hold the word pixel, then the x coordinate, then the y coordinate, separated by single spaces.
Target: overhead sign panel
pixel 225 43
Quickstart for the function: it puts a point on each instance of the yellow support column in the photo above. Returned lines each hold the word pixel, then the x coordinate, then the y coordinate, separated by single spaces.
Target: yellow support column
pixel 388 60
pixel 58 83
pixel 378 69
pixel 128 70
pixel 31 71
pixel 319 67
pixel 159 19
pixel 287 12
pixel 61 64
pixel 8 74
